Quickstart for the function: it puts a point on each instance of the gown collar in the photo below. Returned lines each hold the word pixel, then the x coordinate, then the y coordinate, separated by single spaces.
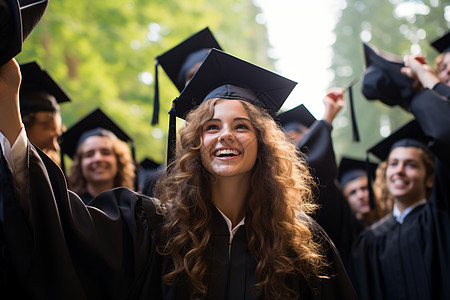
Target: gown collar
pixel 400 216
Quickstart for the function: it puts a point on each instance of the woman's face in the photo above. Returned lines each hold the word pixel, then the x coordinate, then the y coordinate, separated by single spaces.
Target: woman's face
pixel 230 145
pixel 98 162
pixel 406 178
pixel 444 69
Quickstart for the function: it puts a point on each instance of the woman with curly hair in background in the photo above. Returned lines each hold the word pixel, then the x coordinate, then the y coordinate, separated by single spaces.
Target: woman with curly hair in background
pixel 101 160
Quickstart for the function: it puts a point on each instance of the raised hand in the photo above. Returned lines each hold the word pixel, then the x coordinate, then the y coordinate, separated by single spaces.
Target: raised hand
pixel 334 101
pixel 419 71
pixel 10 120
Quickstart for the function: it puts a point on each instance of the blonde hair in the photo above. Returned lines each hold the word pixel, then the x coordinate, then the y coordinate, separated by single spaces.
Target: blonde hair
pixel 280 191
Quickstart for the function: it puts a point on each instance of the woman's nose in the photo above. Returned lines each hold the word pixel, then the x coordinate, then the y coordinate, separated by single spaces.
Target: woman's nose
pixel 226 134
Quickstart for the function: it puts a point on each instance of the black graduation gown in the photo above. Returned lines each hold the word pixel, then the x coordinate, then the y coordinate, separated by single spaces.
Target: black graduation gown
pixel 150 182
pixel 9 287
pixel 231 274
pixel 335 215
pixel 86 198
pixel 412 260
pixel 62 249
pixel 442 89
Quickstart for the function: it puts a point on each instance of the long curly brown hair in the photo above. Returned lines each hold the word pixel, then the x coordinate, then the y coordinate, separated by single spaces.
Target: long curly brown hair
pixel 125 168
pixel 280 189
pixel 385 199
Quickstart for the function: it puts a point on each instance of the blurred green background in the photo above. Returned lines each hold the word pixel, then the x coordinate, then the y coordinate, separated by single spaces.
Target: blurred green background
pixel 103 54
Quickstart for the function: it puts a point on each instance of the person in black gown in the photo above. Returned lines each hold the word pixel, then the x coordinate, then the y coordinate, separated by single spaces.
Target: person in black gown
pixel 101 156
pixel 17 21
pixel 40 98
pixel 180 63
pixel 313 138
pixel 442 61
pixel 406 255
pixel 354 183
pixel 232 222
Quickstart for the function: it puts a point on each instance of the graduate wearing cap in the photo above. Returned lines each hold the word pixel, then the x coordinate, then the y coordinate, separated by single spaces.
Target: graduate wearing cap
pixel 40 96
pixel 405 255
pixel 296 122
pixel 182 61
pixel 17 20
pixel 231 222
pixel 334 215
pixel 229 103
pixel 442 61
pixel 353 178
pixel 101 157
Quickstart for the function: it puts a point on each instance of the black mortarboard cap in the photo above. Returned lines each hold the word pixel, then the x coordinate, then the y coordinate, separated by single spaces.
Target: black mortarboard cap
pixel 409 135
pixel 351 168
pixel 298 115
pixel 97 123
pixel 38 90
pixel 149 164
pixel 222 75
pixel 177 61
pixel 383 79
pixel 442 44
pixel 225 76
pixel 17 20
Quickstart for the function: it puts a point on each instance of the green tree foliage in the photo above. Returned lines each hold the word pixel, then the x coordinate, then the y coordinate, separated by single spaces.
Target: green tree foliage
pixel 103 53
pixel 396 26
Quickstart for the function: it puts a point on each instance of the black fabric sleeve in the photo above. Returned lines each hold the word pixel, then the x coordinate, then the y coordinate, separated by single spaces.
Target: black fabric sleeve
pixel 442 89
pixel 63 249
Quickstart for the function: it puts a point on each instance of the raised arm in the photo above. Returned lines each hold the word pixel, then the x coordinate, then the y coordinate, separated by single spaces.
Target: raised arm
pixel 334 102
pixel 58 247
pixel 10 120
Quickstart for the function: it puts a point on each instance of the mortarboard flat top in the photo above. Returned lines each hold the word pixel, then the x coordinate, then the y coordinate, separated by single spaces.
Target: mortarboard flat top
pixel 149 164
pixel 442 44
pixel 225 76
pixel 173 60
pixel 299 114
pixel 409 135
pixel 90 125
pixel 383 79
pixel 350 169
pixel 17 20
pixel 37 89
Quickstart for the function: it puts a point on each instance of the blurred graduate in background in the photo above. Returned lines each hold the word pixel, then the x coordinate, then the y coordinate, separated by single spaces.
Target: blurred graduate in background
pixel 102 159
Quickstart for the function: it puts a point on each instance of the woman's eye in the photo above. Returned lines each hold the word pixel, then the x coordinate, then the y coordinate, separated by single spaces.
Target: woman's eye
pixel 107 152
pixel 211 127
pixel 242 126
pixel 88 154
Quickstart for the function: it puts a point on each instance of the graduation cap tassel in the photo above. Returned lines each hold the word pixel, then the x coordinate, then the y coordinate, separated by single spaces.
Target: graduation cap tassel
pixel 353 117
pixel 136 177
pixel 155 118
pixel 369 183
pixel 172 133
